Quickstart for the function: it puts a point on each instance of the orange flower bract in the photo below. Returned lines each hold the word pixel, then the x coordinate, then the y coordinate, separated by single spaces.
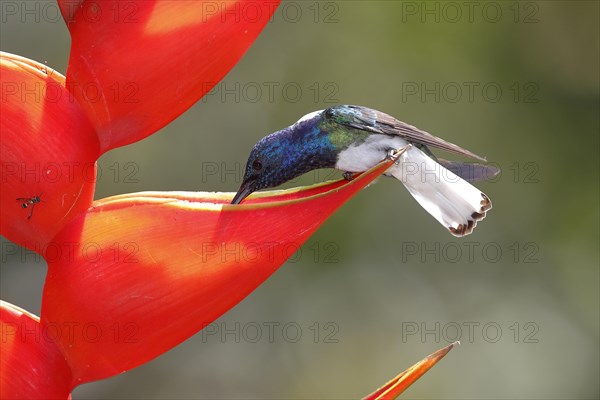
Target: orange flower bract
pixel 149 270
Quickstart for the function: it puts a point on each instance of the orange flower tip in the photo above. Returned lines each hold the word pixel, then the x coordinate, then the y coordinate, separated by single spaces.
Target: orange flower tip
pixel 402 381
pixel 438 355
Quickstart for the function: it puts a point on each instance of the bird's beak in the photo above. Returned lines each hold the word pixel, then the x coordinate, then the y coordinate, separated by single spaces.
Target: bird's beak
pixel 245 191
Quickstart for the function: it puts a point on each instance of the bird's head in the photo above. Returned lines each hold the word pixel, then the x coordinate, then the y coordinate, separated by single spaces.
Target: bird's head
pixel 280 156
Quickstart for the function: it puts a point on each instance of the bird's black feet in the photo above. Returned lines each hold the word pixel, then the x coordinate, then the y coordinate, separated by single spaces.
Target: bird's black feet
pixel 391 155
pixel 394 154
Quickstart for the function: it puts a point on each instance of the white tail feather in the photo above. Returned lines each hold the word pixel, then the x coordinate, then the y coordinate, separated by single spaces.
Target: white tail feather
pixel 451 200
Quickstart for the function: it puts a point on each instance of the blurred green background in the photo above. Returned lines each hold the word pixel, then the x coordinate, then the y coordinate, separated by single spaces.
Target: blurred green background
pixel 381 284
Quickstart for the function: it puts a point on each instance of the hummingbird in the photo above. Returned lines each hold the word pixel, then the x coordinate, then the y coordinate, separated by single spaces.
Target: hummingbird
pixel 354 139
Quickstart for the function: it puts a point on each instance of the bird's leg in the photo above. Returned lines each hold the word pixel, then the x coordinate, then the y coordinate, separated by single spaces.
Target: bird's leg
pixel 394 155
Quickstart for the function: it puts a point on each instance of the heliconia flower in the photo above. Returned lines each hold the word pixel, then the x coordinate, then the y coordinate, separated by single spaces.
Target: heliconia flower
pixel 54 128
pixel 132 263
pixel 131 276
pixel 31 365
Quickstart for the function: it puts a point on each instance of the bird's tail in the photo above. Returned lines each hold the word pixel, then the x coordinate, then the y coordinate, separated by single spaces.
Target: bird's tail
pixel 451 200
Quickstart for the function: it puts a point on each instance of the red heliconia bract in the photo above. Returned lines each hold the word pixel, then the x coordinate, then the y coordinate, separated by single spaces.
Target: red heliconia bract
pixel 137 65
pixel 48 149
pixel 31 365
pixel 141 273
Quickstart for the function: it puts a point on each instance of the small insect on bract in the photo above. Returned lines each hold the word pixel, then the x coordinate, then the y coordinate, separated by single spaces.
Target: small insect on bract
pixel 27 202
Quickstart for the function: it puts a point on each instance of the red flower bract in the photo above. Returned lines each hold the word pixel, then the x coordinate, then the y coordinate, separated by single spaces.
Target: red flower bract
pixel 48 149
pixel 136 66
pixel 155 268
pixel 31 366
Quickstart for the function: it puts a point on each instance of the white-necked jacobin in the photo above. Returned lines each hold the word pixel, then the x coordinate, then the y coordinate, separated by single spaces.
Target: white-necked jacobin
pixel 354 139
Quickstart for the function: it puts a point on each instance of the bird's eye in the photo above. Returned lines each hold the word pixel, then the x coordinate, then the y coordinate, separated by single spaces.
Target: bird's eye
pixel 257 165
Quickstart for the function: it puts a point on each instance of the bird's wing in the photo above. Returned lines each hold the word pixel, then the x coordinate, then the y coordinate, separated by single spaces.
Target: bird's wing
pixel 370 120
